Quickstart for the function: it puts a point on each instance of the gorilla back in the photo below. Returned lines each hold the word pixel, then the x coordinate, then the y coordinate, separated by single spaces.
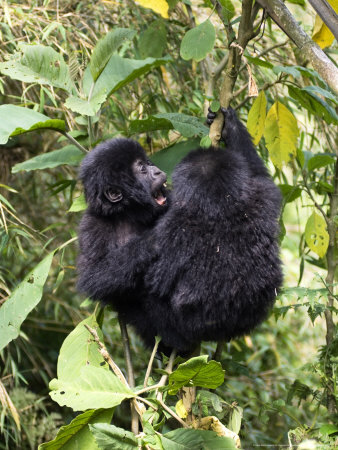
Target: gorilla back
pixel 218 271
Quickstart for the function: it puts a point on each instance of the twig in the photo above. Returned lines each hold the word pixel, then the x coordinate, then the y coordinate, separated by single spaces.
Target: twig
pixel 106 356
pixel 219 349
pixel 74 141
pixel 171 412
pixel 150 364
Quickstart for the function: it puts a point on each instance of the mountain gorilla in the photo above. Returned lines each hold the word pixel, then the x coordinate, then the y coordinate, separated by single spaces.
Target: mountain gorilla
pixel 208 269
pixel 125 194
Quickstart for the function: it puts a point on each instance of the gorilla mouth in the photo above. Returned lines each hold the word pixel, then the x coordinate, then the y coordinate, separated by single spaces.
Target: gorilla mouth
pixel 159 196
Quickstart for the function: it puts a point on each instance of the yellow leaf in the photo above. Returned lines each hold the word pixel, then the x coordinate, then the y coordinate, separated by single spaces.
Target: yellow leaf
pixel 180 409
pixel 281 133
pixel 316 236
pixel 256 118
pixel 159 6
pixel 321 33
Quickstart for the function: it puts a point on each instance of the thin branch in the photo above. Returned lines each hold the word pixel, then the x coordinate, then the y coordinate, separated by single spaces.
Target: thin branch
pixel 171 412
pixel 74 141
pixel 150 364
pixel 104 352
pixel 327 14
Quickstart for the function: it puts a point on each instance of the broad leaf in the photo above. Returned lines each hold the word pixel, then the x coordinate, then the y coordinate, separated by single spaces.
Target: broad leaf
pixel 94 388
pixel 22 301
pixel 106 47
pixel 120 71
pixel 78 350
pixel 198 42
pixel 77 433
pixel 69 155
pixel 86 107
pixel 38 64
pixel 79 204
pixel 110 437
pixel 159 6
pixel 153 41
pixel 281 133
pixel 185 439
pixel 289 192
pixel 256 118
pixel 196 372
pixel 316 235
pixel 228 9
pixel 167 158
pixel 15 120
pixel 319 161
pixel 152 123
pixel 188 126
pixel 322 35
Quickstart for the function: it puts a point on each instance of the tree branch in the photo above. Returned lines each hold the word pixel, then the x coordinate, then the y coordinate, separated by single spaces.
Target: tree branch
pixel 327 14
pixel 285 20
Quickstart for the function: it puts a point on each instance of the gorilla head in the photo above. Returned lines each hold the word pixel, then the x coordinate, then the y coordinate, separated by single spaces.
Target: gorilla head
pixel 119 180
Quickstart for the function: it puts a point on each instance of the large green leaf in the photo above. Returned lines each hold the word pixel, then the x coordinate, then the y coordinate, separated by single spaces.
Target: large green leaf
pixel 281 133
pixel 77 435
pixel 185 439
pixel 15 120
pixel 106 47
pixel 188 126
pixel 151 123
pixel 69 155
pixel 78 350
pixel 79 204
pixel 153 40
pixel 198 42
pixel 86 107
pixel 196 372
pixel 23 299
pixel 110 437
pixel 167 158
pixel 120 71
pixel 94 388
pixel 318 161
pixel 38 64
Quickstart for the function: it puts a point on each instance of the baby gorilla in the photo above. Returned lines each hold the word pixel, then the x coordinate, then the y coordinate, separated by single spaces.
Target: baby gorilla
pixel 217 269
pixel 125 194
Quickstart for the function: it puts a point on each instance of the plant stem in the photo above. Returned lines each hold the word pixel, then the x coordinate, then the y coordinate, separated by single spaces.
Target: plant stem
pixel 150 364
pixel 74 141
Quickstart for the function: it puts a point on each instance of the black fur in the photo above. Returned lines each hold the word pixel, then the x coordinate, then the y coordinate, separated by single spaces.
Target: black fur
pixel 209 268
pixel 112 256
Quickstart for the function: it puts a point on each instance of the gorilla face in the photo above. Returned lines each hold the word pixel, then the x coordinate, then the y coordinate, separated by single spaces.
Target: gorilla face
pixel 152 179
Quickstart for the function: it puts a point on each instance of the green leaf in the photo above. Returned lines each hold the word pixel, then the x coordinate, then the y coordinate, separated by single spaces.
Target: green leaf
pixel 258 61
pixel 290 70
pixel 205 142
pixel 105 48
pixel 319 161
pixel 321 91
pixel 228 9
pixel 120 71
pixel 256 118
pixel 79 350
pixel 186 439
pixel 77 433
pixel 314 104
pixel 79 204
pixel 316 235
pixel 215 106
pixel 328 429
pixel 289 192
pixel 167 158
pixel 281 133
pixel 198 42
pixel 23 299
pixel 196 372
pixel 85 107
pixel 110 437
pixel 153 41
pixel 94 388
pixel 152 123
pixel 235 419
pixel 188 126
pixel 38 64
pixel 69 155
pixel 15 120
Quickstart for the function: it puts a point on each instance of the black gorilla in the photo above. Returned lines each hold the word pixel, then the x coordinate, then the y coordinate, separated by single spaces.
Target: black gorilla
pixel 209 269
pixel 125 196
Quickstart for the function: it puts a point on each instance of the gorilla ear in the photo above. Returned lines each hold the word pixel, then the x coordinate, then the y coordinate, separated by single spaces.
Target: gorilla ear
pixel 113 195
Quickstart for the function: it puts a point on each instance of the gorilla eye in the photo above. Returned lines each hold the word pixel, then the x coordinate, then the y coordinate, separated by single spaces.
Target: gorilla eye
pixel 142 167
pixel 113 195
